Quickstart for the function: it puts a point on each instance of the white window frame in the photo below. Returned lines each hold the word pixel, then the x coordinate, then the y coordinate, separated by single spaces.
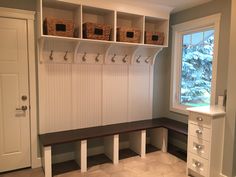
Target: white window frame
pixel 209 22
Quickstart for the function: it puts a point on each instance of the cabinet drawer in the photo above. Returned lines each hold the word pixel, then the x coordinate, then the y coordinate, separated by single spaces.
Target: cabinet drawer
pixel 198 164
pixel 198 147
pixel 199 132
pixel 200 119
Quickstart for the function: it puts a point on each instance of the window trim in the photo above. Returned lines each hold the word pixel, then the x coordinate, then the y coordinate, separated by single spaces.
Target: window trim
pixel 178 31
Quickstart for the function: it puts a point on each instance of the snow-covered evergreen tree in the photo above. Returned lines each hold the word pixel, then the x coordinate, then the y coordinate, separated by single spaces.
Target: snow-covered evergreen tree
pixel 197 72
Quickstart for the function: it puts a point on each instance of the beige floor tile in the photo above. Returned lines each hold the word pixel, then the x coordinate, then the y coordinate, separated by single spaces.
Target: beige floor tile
pixel 175 175
pixel 111 168
pixel 167 158
pixel 124 173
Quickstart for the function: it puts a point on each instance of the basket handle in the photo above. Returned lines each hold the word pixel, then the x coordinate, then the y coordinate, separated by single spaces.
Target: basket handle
pixel 155 37
pixel 130 34
pixel 98 31
pixel 60 27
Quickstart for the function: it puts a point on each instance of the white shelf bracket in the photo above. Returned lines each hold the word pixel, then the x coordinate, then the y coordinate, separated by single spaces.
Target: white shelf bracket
pixel 76 51
pixel 157 51
pixel 40 49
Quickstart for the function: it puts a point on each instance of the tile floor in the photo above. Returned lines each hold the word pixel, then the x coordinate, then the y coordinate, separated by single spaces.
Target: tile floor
pixel 156 164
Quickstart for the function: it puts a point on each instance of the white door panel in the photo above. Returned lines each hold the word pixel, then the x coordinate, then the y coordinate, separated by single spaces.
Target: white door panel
pixel 14 124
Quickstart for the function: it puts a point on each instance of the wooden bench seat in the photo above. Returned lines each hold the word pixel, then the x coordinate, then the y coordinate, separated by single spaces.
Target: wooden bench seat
pixel 54 138
pixel 137 129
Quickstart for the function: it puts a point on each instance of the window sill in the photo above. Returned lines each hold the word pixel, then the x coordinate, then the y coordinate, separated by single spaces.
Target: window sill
pixel 180 109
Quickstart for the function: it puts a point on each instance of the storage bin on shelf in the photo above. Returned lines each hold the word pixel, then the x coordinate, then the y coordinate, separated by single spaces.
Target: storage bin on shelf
pixel 125 34
pixel 58 27
pixel 96 31
pixel 156 38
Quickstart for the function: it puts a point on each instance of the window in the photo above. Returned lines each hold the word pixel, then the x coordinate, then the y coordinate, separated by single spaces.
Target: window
pixel 194 63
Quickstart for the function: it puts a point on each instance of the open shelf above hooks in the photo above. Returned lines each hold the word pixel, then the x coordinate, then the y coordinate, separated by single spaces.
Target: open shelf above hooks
pixel 78 49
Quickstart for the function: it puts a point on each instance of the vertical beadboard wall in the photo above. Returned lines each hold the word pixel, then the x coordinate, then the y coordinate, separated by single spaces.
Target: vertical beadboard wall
pixel 75 96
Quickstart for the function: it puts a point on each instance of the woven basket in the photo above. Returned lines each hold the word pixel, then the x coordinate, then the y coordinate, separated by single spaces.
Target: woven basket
pixel 58 27
pixel 156 38
pixel 128 35
pixel 96 31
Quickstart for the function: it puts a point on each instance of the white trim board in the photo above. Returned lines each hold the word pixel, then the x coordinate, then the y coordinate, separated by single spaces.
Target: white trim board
pixel 212 21
pixel 29 17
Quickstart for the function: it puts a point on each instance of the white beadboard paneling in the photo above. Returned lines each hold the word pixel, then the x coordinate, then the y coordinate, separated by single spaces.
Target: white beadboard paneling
pixel 87 95
pixel 55 97
pixel 115 94
pixel 140 106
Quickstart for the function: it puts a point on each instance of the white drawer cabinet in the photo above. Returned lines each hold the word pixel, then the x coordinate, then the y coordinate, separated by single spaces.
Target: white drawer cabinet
pixel 205 141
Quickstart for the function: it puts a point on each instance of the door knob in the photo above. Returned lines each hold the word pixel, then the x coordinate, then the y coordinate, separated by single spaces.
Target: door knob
pixel 22 108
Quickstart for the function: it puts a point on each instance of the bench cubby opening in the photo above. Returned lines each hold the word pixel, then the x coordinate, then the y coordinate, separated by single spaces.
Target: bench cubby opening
pixel 156 140
pixel 132 144
pixel 60 158
pixel 149 147
pixel 96 154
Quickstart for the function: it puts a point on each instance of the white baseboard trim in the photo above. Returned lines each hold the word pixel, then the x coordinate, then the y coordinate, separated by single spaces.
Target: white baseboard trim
pixel 36 163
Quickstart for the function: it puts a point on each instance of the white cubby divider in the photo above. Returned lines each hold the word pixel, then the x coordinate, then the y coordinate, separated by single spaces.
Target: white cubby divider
pixel 97 51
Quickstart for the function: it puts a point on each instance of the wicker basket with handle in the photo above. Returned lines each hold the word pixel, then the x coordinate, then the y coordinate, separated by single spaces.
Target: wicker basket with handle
pixel 96 31
pixel 58 27
pixel 125 34
pixel 156 38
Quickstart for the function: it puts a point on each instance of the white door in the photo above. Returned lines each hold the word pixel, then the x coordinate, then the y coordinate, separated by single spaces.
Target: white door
pixel 14 95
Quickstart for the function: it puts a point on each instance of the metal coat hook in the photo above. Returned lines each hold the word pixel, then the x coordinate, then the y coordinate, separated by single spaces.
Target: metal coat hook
pixel 147 60
pixel 113 58
pixel 51 55
pixel 65 56
pixel 97 57
pixel 138 59
pixel 84 56
pixel 124 59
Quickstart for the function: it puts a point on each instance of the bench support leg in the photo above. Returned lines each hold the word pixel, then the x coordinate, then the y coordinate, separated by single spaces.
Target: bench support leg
pixel 159 138
pixel 81 154
pixel 111 144
pixel 47 161
pixel 138 142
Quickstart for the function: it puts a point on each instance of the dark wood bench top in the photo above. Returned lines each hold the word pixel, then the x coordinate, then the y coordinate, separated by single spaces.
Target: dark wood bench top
pixel 61 137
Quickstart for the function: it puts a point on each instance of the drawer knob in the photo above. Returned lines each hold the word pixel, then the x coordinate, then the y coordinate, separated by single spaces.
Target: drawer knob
pixel 198 164
pixel 199 118
pixel 199 132
pixel 198 146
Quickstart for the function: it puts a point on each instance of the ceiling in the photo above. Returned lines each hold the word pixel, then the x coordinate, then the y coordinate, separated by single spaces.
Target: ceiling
pixel 178 5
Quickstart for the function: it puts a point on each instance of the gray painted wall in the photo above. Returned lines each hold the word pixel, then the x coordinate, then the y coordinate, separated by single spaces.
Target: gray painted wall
pixel 163 69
